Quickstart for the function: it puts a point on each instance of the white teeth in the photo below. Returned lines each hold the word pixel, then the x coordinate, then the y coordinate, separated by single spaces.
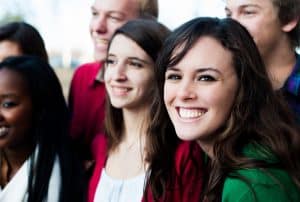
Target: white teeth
pixel 190 113
pixel 3 131
pixel 120 90
pixel 101 41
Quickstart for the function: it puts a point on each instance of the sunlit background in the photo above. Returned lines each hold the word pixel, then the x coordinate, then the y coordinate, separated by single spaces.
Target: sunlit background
pixel 64 23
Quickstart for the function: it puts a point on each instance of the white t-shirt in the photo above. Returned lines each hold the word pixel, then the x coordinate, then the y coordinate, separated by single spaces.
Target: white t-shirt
pixel 16 189
pixel 115 190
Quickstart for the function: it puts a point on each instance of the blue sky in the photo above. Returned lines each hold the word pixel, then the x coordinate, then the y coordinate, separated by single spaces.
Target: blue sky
pixel 64 23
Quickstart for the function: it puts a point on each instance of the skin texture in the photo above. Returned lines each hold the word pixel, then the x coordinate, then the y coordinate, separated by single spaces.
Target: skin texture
pixel 270 35
pixel 107 16
pixel 128 73
pixel 15 123
pixel 261 20
pixel 200 90
pixel 9 48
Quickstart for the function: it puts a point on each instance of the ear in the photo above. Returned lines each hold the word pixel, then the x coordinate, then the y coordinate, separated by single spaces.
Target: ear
pixel 290 25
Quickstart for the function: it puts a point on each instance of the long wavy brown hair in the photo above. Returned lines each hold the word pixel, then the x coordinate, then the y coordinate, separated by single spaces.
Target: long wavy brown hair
pixel 161 139
pixel 258 116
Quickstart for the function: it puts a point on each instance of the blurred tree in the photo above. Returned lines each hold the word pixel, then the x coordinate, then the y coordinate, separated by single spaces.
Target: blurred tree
pixel 9 17
pixel 14 10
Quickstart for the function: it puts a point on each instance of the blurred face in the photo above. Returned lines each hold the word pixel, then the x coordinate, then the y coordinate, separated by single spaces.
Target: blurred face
pixel 128 74
pixel 9 48
pixel 15 110
pixel 107 16
pixel 261 19
pixel 199 91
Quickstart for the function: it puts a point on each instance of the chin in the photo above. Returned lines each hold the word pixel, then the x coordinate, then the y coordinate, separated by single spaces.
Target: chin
pixel 186 136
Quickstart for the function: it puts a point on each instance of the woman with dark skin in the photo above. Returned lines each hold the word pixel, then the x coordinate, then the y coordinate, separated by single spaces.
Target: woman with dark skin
pixel 36 162
pixel 20 38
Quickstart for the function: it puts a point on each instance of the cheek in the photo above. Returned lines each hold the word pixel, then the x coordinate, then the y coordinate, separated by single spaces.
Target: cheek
pixel 22 119
pixel 167 94
pixel 146 86
pixel 92 25
pixel 224 103
pixel 107 75
pixel 221 97
pixel 113 26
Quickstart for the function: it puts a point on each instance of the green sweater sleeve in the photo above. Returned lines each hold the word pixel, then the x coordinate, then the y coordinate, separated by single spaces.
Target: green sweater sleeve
pixel 260 186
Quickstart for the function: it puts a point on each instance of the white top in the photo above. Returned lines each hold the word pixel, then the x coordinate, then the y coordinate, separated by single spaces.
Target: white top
pixel 16 189
pixel 115 190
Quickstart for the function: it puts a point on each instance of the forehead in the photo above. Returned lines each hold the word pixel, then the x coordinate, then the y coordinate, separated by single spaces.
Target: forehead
pixel 123 6
pixel 12 81
pixel 207 52
pixel 259 3
pixel 9 48
pixel 122 45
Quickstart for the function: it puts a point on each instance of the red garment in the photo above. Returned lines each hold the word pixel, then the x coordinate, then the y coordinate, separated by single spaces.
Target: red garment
pixel 86 103
pixel 187 154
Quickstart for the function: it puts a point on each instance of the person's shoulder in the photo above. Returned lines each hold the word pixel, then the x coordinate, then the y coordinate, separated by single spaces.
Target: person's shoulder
pixel 88 68
pixel 259 185
pixel 99 145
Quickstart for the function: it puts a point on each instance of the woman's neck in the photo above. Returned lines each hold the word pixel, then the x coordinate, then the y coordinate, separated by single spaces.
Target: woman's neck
pixel 279 64
pixel 11 161
pixel 135 125
pixel 131 148
pixel 207 148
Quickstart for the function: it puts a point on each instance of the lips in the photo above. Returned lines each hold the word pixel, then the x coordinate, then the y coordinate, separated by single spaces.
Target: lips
pixel 191 113
pixel 3 131
pixel 120 91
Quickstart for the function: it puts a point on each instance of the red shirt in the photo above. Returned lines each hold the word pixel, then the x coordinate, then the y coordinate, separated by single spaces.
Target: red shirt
pixel 86 103
pixel 187 189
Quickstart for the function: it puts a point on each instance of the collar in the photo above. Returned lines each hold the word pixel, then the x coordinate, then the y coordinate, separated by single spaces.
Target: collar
pixel 292 84
pixel 96 74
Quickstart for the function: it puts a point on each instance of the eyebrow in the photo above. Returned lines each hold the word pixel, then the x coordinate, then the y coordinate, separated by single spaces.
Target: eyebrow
pixel 244 6
pixel 8 95
pixel 141 60
pixel 130 58
pixel 199 70
pixel 110 11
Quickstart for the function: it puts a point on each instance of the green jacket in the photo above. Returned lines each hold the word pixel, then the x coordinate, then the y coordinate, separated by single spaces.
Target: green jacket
pixel 269 185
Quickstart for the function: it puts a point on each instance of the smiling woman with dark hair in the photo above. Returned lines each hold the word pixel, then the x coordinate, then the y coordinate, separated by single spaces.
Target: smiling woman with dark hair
pixel 215 88
pixel 36 162
pixel 126 151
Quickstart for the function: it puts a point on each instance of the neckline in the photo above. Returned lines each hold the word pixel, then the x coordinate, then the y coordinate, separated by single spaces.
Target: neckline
pixel 131 180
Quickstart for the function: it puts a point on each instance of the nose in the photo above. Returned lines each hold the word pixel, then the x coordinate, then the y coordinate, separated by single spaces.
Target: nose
pixel 100 24
pixel 186 90
pixel 120 73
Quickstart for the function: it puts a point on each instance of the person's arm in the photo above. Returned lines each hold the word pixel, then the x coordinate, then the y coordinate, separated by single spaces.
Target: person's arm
pixel 260 188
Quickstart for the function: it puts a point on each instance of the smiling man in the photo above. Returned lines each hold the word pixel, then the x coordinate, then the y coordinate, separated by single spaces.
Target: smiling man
pixel 87 92
pixel 274 26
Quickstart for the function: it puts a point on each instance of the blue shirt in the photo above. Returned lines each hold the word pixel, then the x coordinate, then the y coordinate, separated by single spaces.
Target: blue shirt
pixel 291 90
